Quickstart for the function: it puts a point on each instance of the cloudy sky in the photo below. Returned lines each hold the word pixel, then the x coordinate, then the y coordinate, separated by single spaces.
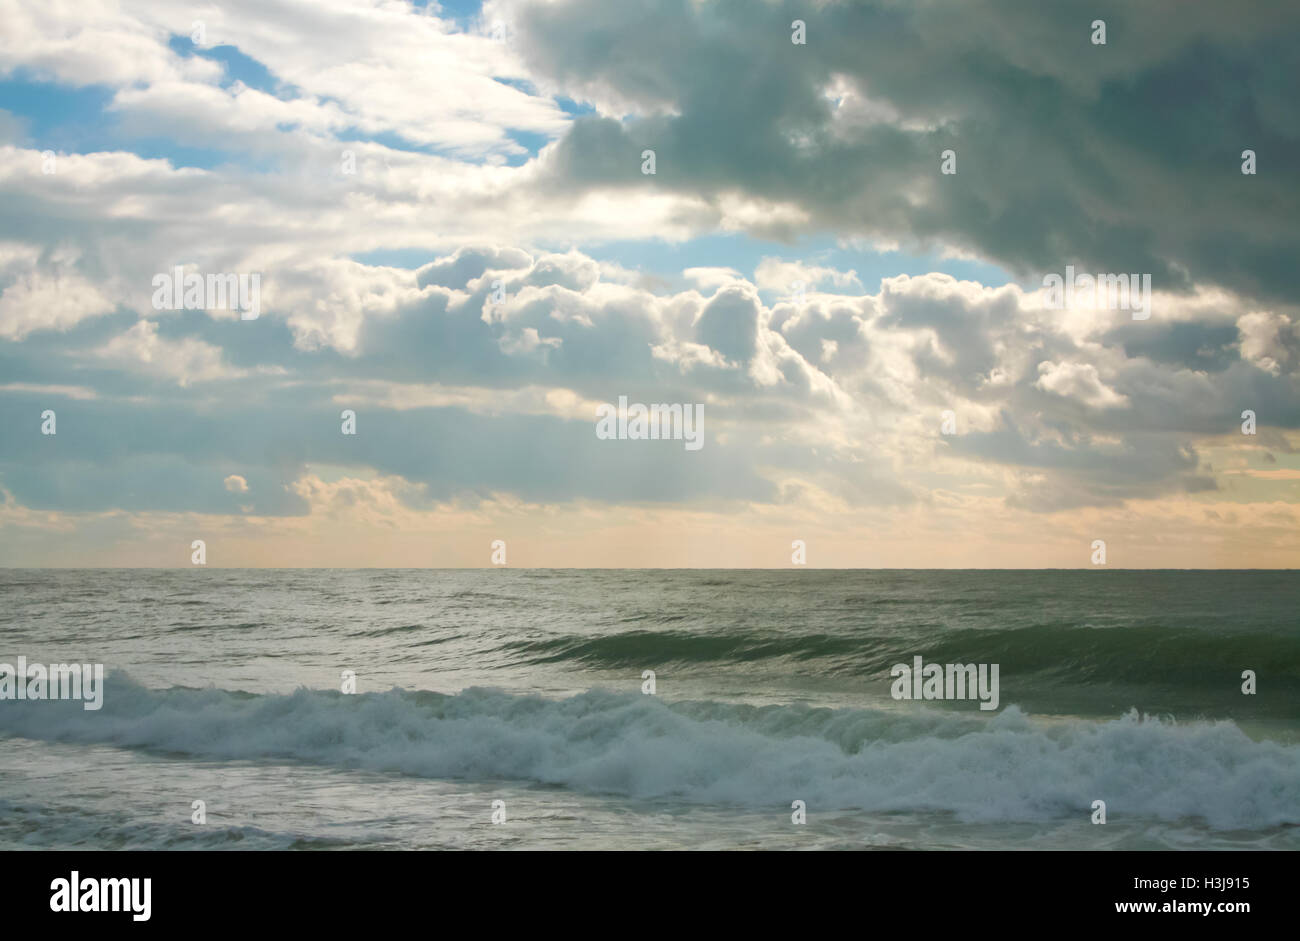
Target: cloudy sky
pixel 382 164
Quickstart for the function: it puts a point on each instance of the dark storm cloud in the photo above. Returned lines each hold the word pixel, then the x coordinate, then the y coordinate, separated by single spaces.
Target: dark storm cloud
pixel 1122 157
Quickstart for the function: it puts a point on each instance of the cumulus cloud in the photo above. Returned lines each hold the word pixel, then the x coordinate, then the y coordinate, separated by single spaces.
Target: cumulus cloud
pixel 186 360
pixel 44 291
pixel 1079 381
pixel 800 397
pixel 1268 340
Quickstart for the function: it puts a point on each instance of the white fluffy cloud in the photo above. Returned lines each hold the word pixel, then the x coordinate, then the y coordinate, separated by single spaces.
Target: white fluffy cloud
pixel 43 293
pixel 185 361
pixel 1079 381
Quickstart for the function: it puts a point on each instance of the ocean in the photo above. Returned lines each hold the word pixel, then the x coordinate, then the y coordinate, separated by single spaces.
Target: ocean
pixel 519 694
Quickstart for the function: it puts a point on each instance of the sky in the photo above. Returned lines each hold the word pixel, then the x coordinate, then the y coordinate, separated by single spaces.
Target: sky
pixel 840 256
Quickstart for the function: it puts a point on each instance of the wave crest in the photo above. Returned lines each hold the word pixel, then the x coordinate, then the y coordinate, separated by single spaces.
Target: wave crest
pixel 1007 768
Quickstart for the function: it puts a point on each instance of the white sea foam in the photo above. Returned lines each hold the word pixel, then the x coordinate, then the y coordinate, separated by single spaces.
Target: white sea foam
pixel 1008 768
